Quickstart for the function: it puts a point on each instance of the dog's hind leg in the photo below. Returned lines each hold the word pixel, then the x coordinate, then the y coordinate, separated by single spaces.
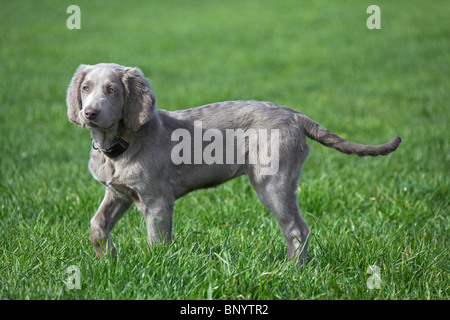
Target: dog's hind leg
pixel 277 193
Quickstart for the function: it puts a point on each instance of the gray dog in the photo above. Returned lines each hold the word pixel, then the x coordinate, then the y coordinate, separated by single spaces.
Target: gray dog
pixel 152 157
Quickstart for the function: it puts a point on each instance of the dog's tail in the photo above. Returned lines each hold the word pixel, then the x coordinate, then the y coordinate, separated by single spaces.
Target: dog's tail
pixel 329 139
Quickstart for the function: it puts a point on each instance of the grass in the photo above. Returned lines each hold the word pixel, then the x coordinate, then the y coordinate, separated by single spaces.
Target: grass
pixel 320 59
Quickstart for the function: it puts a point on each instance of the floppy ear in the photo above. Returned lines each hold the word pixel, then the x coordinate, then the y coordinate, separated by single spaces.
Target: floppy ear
pixel 73 99
pixel 140 102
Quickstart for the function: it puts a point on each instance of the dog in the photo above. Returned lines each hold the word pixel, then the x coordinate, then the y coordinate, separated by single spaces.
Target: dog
pixel 138 154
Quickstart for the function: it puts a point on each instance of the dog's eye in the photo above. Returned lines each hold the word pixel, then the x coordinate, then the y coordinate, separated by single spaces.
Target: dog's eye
pixel 86 88
pixel 112 90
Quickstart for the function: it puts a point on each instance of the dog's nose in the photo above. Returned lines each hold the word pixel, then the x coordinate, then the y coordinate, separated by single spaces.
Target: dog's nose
pixel 90 113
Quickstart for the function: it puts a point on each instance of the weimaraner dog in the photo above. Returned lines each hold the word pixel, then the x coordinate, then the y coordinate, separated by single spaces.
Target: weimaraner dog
pixel 152 157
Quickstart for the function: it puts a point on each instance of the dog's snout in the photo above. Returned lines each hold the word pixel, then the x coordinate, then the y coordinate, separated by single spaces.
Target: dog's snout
pixel 91 113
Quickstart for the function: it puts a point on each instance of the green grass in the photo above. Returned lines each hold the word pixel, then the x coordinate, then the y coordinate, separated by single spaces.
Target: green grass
pixel 318 58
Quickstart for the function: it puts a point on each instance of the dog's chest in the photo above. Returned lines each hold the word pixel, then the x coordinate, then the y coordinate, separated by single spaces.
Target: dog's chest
pixel 102 169
pixel 106 172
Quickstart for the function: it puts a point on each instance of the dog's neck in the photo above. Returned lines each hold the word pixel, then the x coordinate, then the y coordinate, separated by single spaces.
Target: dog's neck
pixel 115 141
pixel 112 142
pixel 104 138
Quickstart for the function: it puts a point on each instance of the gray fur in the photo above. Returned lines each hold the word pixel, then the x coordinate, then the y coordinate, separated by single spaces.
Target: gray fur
pixel 146 176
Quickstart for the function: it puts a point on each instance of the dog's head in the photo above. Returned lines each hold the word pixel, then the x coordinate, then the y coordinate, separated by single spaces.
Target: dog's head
pixel 101 95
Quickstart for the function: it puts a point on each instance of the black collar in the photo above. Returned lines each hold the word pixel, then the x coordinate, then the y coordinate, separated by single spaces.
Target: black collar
pixel 118 147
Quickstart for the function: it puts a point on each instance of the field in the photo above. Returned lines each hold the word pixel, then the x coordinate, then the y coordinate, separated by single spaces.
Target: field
pixel 318 58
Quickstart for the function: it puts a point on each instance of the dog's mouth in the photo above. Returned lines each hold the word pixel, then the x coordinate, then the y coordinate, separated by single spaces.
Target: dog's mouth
pixel 91 125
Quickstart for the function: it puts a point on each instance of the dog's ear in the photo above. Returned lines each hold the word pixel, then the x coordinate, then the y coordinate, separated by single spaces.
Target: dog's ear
pixel 73 99
pixel 140 102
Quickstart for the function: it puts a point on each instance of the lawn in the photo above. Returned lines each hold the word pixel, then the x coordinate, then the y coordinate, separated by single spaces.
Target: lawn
pixel 318 58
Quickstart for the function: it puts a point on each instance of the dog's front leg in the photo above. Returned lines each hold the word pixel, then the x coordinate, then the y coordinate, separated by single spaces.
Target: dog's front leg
pixel 110 211
pixel 158 217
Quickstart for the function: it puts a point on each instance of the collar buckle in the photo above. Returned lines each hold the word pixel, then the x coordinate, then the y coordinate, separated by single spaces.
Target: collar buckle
pixel 116 149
